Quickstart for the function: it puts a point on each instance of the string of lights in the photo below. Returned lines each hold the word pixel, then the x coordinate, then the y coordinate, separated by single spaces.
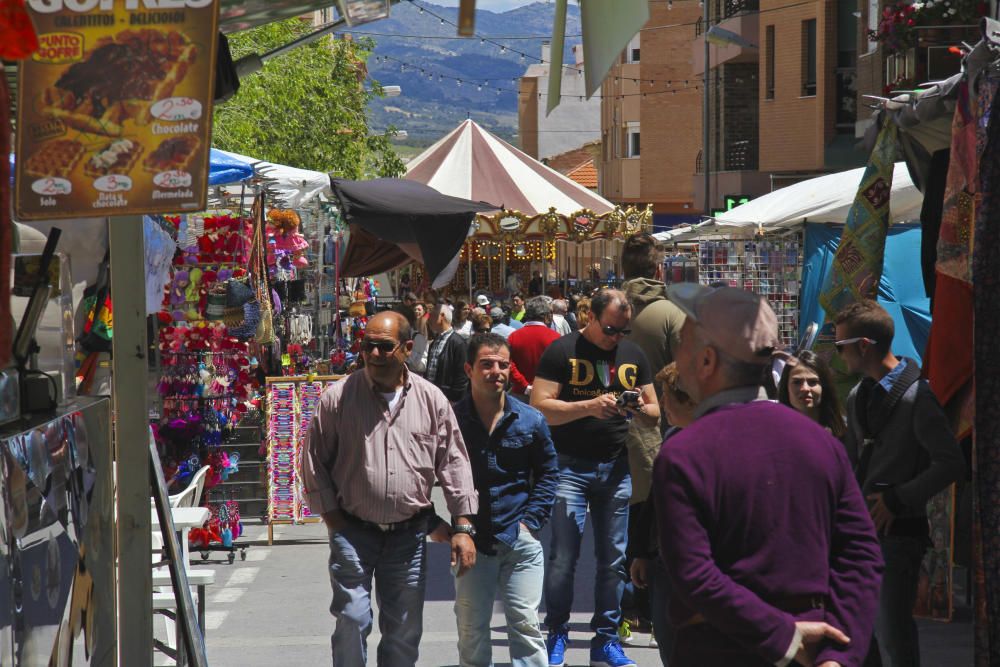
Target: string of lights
pixel 482 84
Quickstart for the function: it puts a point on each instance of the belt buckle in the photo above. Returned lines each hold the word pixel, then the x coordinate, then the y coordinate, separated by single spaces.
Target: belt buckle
pixel 384 527
pixel 817 603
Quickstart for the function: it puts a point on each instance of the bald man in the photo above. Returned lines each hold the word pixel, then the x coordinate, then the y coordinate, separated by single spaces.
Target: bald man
pixel 377 442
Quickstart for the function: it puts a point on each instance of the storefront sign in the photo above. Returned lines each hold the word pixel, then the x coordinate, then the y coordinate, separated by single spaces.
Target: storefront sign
pixel 115 108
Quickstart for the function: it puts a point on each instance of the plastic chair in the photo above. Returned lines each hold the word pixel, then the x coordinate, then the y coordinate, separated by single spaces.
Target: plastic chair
pixel 191 496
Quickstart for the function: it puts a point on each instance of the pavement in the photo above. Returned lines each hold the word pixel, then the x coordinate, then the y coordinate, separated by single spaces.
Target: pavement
pixel 272 609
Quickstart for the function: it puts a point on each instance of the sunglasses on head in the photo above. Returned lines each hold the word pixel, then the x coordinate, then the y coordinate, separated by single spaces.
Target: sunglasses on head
pixel 383 346
pixel 615 331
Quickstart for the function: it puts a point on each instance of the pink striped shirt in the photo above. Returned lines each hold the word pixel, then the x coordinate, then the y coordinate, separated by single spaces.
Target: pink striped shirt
pixel 379 465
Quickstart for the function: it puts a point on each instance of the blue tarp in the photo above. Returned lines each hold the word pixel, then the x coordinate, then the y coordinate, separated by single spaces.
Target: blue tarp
pixel 901 290
pixel 222 169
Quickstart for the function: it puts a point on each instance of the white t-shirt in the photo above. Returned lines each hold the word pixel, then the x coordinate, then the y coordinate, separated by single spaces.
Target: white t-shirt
pixel 392 398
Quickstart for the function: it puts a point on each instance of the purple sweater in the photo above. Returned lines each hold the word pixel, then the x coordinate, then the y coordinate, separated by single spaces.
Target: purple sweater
pixel 756 502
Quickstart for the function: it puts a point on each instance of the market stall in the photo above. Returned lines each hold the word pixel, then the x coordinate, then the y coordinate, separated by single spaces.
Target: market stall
pixel 547 223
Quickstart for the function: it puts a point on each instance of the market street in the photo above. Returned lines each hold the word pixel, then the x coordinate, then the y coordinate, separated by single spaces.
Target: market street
pixel 272 609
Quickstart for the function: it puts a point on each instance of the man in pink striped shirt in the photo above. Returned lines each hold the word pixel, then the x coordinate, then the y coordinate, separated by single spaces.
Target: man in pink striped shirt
pixel 376 444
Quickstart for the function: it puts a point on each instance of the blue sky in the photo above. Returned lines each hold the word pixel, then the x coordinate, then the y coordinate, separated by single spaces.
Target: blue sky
pixel 492 5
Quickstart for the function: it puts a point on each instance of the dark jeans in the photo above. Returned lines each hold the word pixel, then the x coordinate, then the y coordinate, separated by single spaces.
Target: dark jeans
pixel 659 602
pixel 895 628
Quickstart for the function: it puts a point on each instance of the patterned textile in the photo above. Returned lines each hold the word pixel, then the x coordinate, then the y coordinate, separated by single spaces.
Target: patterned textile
pixel 857 265
pixel 6 325
pixel 986 450
pixel 958 216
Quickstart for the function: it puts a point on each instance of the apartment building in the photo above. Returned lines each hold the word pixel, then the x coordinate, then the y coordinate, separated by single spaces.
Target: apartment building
pixel 651 118
pixel 575 122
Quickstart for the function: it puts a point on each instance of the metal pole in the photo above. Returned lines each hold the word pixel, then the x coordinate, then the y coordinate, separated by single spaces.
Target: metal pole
pixel 131 429
pixel 706 161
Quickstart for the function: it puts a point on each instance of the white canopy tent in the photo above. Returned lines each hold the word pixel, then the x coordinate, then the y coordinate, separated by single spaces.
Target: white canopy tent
pixel 290 187
pixel 822 199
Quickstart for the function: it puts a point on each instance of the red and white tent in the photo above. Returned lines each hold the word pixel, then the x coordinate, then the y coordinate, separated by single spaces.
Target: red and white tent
pixel 471 163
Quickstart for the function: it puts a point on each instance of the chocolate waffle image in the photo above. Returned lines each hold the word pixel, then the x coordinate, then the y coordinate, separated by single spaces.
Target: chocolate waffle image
pixel 120 78
pixel 174 153
pixel 55 158
pixel 117 157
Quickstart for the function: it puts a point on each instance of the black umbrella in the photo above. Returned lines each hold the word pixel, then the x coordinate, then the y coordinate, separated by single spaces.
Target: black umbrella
pixel 395 214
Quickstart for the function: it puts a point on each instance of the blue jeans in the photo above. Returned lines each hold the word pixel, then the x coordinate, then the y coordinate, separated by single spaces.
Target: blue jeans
pixel 895 628
pixel 517 573
pixel 398 563
pixel 606 488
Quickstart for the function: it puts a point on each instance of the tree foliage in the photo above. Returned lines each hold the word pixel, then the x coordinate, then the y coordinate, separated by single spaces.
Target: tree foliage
pixel 307 108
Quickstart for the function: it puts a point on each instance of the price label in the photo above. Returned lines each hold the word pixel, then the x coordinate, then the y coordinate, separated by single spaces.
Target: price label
pixel 176 108
pixel 52 186
pixel 172 179
pixel 113 183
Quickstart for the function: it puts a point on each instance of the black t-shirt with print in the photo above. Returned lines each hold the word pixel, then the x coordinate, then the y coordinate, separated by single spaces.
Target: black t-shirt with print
pixel 585 371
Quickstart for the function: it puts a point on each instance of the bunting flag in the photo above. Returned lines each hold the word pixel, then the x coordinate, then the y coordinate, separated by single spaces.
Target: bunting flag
pixel 608 25
pixel 857 266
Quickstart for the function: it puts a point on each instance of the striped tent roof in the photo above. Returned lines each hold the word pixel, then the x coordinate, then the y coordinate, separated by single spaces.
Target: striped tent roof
pixel 471 163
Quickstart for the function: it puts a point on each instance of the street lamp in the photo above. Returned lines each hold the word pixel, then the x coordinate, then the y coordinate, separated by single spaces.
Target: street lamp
pixel 717 36
pixel 357 12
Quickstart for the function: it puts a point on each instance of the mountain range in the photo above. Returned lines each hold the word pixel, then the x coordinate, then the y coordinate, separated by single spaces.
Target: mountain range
pixel 418 52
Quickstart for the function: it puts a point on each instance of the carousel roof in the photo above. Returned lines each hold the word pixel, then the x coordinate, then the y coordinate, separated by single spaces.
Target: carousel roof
pixel 471 163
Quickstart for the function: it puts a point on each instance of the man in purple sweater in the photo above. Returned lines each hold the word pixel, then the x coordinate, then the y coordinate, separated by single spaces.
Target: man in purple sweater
pixel 763 530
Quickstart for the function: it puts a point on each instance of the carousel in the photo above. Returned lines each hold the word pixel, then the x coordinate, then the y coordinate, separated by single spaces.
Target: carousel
pixel 548 225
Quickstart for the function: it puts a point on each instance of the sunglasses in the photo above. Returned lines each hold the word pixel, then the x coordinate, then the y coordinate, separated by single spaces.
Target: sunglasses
pixel 615 331
pixel 383 346
pixel 841 344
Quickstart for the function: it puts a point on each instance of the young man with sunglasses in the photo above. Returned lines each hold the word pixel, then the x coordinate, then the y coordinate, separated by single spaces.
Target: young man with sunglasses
pixel 577 387
pixel 515 470
pixel 904 452
pixel 376 444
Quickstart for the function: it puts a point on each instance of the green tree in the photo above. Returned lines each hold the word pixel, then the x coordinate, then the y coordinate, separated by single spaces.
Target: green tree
pixel 307 108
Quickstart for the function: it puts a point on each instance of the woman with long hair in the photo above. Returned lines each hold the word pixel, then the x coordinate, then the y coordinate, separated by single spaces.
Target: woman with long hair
pixel 806 385
pixel 582 313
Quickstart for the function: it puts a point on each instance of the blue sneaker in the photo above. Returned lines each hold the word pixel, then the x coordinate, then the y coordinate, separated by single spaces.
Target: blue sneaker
pixel 556 645
pixel 609 655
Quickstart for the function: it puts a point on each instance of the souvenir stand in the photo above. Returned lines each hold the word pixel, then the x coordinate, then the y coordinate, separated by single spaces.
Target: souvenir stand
pixel 775 244
pixel 949 134
pixel 548 224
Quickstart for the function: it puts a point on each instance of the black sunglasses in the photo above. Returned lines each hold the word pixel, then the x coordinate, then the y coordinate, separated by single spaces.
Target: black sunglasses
pixel 614 331
pixel 383 346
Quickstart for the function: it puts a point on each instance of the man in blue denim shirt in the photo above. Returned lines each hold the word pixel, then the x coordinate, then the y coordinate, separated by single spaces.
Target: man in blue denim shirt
pixel 514 466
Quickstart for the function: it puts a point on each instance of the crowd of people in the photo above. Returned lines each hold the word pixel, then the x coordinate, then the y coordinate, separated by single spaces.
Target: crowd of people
pixel 745 521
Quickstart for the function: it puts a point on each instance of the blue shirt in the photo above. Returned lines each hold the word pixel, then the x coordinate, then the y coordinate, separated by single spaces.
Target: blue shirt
pixel 515 469
pixel 502 329
pixel 515 324
pixel 893 375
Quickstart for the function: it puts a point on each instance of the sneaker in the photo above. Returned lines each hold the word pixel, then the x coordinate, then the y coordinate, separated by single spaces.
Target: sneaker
pixel 556 645
pixel 625 633
pixel 609 655
pixel 652 642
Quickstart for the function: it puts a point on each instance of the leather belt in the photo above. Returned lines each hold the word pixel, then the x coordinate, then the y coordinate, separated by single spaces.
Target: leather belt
pixel 793 604
pixel 411 522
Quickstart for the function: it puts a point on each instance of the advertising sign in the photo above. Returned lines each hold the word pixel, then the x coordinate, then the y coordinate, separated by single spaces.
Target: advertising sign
pixel 114 113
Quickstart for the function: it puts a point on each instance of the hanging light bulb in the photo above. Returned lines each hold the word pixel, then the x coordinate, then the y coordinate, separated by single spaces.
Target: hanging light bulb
pixel 503 49
pixel 459 83
pixel 421 10
pixel 479 88
pixel 670 4
pixel 442 21
pixel 522 58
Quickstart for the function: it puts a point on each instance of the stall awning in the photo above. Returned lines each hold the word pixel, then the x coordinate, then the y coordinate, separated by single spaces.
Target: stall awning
pixel 394 220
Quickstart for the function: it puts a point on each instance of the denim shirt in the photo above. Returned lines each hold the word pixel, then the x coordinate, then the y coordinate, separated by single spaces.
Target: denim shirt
pixel 515 469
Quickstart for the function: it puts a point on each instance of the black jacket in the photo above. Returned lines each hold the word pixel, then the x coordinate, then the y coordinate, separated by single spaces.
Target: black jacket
pixel 450 375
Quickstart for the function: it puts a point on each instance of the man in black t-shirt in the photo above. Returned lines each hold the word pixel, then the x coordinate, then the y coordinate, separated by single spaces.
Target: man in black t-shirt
pixel 579 379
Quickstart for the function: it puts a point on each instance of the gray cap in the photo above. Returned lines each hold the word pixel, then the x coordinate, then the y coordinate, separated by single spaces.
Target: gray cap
pixel 496 313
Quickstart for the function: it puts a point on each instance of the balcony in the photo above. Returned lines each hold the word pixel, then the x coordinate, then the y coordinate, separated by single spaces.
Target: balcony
pixel 739 156
pixel 746 25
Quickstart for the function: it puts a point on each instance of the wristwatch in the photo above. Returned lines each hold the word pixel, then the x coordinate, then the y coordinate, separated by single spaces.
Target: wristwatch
pixel 466 528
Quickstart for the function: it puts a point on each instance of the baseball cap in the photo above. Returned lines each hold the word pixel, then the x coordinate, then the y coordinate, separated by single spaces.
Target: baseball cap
pixel 741 323
pixel 483 300
pixel 496 313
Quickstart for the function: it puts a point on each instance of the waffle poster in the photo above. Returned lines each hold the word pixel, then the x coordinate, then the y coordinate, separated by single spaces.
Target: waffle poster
pixel 115 108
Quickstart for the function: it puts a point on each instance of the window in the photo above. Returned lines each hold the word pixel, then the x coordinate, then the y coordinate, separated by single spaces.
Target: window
pixel 633 140
pixel 632 50
pixel 769 66
pixel 809 58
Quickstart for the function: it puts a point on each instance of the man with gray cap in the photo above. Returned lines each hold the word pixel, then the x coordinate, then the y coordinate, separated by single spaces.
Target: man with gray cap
pixel 765 535
pixel 500 322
